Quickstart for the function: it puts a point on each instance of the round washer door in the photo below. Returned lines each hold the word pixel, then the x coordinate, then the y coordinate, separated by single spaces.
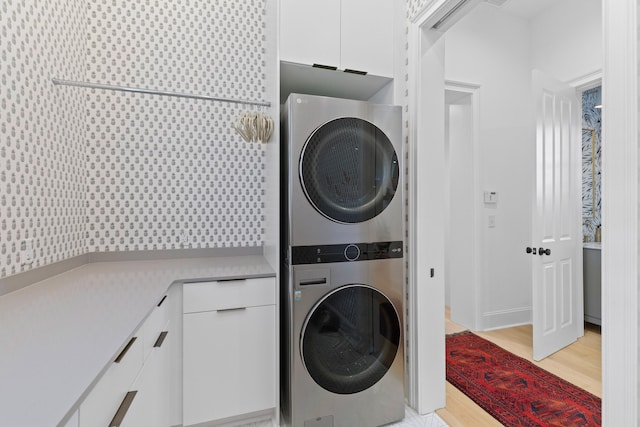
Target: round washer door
pixel 350 339
pixel 349 170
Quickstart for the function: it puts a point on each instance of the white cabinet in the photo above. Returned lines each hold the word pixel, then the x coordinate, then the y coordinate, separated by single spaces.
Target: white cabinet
pixel 229 349
pixel 150 407
pixel 102 403
pixel 135 390
pixel 347 34
pixel 367 35
pixel 592 273
pixel 310 31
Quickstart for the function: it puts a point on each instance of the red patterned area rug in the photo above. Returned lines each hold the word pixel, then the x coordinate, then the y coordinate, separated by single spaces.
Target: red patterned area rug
pixel 515 391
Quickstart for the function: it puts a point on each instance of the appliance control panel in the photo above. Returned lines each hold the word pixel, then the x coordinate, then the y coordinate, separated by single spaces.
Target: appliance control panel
pixel 349 252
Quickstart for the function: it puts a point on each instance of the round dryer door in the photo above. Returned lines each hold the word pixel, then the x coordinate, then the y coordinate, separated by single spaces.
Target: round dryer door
pixel 350 339
pixel 349 170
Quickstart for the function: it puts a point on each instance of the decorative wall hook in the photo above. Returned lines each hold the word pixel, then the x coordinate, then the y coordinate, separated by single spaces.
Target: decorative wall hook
pixel 254 126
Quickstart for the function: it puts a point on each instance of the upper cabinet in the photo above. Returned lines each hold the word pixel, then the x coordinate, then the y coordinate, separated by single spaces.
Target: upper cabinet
pixel 367 30
pixel 310 31
pixel 353 35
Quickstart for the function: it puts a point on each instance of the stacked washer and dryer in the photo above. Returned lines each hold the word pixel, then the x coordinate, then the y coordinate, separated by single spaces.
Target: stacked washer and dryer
pixel 342 275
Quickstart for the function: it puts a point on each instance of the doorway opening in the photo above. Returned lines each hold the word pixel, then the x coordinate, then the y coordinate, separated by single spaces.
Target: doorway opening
pixel 592 163
pixel 507 144
pixel 592 203
pixel 579 363
pixel 426 58
pixel 462 217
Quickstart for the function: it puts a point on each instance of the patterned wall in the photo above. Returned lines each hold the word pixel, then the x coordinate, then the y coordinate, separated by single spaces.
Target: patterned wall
pixel 86 170
pixel 591 161
pixel 415 6
pixel 158 165
pixel 42 150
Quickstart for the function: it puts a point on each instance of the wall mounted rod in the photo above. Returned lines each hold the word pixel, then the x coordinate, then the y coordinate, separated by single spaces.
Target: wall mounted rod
pixel 156 92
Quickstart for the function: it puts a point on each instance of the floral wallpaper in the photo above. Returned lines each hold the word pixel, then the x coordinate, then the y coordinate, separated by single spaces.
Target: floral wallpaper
pixel 591 162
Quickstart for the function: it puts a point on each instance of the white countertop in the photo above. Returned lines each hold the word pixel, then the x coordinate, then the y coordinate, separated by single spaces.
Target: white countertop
pixel 592 245
pixel 59 334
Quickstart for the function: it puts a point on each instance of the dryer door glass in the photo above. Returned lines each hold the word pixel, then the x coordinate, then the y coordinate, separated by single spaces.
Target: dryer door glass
pixel 349 170
pixel 350 339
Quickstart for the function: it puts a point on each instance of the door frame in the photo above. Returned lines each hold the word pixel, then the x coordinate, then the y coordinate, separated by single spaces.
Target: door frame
pixel 425 273
pixel 620 213
pixel 426 389
pixel 425 318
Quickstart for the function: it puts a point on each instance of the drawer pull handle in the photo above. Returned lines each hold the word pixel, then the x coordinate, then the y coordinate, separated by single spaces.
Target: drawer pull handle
pixel 122 410
pixel 239 279
pixel 160 339
pixel 124 350
pixel 325 67
pixel 231 309
pixel 162 300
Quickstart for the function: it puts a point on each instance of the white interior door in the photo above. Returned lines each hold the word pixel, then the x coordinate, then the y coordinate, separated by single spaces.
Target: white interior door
pixel 557 262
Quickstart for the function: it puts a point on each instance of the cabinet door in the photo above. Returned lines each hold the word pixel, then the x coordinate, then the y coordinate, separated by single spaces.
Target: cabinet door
pixel 310 31
pixel 229 363
pixel 367 36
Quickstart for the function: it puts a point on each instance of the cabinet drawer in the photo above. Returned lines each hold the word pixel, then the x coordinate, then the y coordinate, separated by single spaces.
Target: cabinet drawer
pixel 105 398
pixel 155 324
pixel 150 404
pixel 226 294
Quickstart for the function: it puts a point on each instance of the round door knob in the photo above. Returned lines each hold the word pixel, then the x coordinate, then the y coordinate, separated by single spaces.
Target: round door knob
pixel 543 251
pixel 529 250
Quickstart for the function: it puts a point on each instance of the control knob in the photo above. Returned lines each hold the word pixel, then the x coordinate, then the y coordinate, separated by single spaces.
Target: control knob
pixel 352 252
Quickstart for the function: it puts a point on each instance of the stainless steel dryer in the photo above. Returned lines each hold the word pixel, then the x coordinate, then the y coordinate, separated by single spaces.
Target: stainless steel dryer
pixel 344 176
pixel 343 362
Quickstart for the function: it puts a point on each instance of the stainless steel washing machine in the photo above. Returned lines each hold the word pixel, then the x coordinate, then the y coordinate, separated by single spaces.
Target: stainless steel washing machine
pixel 344 178
pixel 343 358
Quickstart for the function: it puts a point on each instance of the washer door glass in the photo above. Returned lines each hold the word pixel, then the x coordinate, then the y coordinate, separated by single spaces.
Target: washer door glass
pixel 350 339
pixel 349 170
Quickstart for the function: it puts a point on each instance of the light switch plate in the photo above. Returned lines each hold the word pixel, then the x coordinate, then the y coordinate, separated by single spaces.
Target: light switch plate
pixel 490 196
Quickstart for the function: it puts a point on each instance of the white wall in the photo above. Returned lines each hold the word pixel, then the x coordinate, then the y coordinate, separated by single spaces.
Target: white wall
pixel 492 50
pixel 567 39
pixel 461 279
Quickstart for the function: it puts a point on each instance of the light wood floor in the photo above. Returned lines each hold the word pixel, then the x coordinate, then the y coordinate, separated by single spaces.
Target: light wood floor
pixel 580 363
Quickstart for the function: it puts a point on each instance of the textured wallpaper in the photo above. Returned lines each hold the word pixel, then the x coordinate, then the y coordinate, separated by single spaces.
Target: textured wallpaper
pixel 161 167
pixel 43 178
pixel 85 170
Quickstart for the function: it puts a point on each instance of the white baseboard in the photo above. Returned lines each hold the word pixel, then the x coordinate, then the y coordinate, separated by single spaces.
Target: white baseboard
pixel 506 318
